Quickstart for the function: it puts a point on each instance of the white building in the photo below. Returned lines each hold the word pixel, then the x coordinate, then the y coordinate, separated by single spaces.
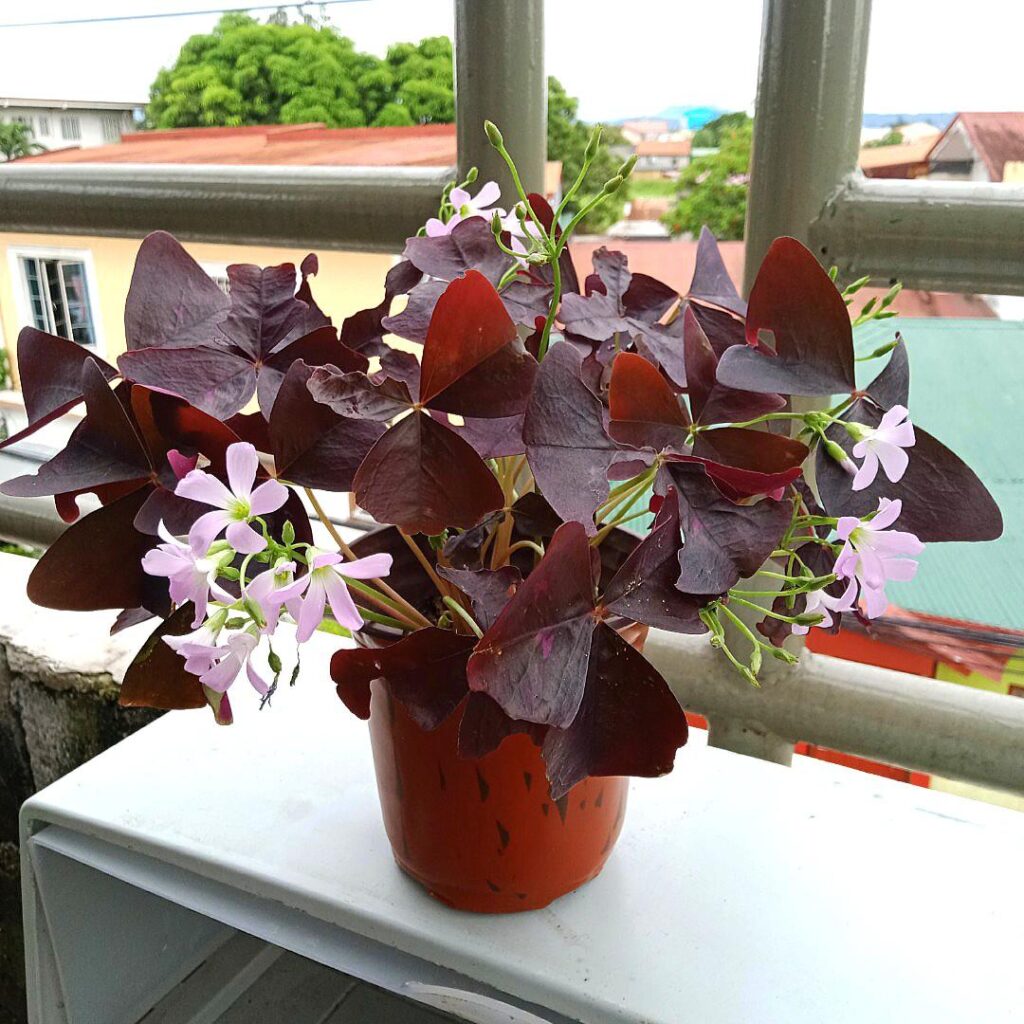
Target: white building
pixel 58 124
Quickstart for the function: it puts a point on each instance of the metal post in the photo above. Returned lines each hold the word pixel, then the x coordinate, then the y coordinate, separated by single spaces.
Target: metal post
pixel 810 102
pixel 499 76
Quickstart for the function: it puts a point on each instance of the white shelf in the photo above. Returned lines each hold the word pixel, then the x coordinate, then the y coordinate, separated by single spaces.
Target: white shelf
pixel 740 890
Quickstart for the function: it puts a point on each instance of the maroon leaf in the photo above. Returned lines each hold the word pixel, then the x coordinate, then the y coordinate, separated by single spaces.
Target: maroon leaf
pixel 219 381
pixel 470 331
pixel 488 590
pixel 533 660
pixel 312 445
pixel 422 477
pixel 644 588
pixel 356 396
pixel 711 401
pixel 645 412
pixel 364 331
pixel 51 378
pixel 943 499
pixel 745 462
pixel 724 330
pixel 567 446
pixel 892 386
pixel 628 723
pixel 171 301
pixel 425 671
pixel 796 302
pixel 605 315
pixel 490 438
pixel 264 309
pixel 156 678
pixel 470 245
pixel 723 541
pixel 104 448
pixel 315 317
pixel 484 725
pixel 320 348
pixel 711 281
pixel 464 550
pixel 413 321
pixel 97 563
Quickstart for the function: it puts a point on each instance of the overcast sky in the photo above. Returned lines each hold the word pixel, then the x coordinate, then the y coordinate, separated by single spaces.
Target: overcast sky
pixel 926 55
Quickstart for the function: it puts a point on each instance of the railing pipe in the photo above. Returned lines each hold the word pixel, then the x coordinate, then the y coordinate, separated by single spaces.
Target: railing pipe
pixel 810 101
pixel 499 76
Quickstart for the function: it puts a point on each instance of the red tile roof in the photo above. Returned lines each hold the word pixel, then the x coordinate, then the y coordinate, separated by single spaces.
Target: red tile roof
pixel 997 137
pixel 672 261
pixel 672 147
pixel 431 145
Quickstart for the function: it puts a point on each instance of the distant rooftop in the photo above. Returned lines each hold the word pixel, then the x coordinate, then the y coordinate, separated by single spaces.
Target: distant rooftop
pixel 997 138
pixel 302 145
pixel 59 104
pixel 677 147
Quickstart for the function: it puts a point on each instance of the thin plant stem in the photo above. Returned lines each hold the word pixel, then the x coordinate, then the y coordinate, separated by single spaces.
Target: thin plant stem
pixel 443 588
pixel 382 602
pixel 532 545
pixel 556 296
pixel 384 620
pixel 464 615
pixel 416 617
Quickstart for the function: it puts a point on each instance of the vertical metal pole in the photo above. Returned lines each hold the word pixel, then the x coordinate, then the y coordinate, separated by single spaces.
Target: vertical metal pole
pixel 499 76
pixel 810 103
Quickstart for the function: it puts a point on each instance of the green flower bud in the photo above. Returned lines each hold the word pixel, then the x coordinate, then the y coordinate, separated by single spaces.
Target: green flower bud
pixel 781 654
pixel 274 661
pixel 288 533
pixel 857 430
pixel 755 660
pixel 613 185
pixel 836 452
pixel 627 168
pixel 592 145
pixel 808 619
pixel 254 610
pixel 471 175
pixel 493 135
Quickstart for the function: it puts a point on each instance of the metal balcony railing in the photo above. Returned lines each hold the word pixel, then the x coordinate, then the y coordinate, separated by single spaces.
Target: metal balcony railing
pixel 803 183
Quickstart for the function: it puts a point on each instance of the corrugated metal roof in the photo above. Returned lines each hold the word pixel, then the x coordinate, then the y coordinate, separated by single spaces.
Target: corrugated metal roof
pixel 997 137
pixel 967 379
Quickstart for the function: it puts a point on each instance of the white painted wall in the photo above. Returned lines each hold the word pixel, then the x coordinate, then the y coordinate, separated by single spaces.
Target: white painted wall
pixel 97 127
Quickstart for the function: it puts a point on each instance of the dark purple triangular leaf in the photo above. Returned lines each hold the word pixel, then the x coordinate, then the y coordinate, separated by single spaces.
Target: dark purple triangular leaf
pixel 488 589
pixel 470 245
pixel 533 660
pixel 312 445
pixel 943 499
pixel 364 331
pixel 264 310
pixel 711 281
pixel 156 678
pixel 644 588
pixel 723 541
pixel 795 301
pixel 423 478
pixel 356 396
pixel 484 725
pixel 425 672
pixel 628 723
pixel 104 448
pixel 171 300
pixel 567 446
pixel 50 370
pixel 892 386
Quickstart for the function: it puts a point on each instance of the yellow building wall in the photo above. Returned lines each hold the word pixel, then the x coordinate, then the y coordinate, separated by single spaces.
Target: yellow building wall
pixel 346 283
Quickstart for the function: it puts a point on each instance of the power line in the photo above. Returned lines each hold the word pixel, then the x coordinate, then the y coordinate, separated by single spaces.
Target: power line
pixel 176 14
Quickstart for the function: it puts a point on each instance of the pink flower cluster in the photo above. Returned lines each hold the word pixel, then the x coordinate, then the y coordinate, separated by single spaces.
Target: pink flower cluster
pixel 231 625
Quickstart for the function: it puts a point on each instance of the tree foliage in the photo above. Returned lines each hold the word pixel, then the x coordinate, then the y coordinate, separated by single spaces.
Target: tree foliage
pixel 16 141
pixel 710 136
pixel 246 72
pixel 712 191
pixel 893 137
pixel 567 140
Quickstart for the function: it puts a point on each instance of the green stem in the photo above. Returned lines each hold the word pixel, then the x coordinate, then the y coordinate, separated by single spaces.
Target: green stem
pixel 556 297
pixel 384 620
pixel 768 417
pixel 454 606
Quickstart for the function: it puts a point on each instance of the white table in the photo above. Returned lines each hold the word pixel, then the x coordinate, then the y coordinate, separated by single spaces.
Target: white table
pixel 741 891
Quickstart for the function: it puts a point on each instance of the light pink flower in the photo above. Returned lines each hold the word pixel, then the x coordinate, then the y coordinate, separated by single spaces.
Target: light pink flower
pixel 872 554
pixel 192 574
pixel 325 584
pixel 272 589
pixel 883 444
pixel 234 506
pixel 466 207
pixel 821 603
pixel 218 664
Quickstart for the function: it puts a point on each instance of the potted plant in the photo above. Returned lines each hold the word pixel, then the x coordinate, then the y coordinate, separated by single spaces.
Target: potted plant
pixel 500 613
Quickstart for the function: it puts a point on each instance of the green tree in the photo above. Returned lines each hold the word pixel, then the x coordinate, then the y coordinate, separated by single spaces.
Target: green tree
pixel 710 136
pixel 16 141
pixel 246 72
pixel 893 137
pixel 567 139
pixel 713 189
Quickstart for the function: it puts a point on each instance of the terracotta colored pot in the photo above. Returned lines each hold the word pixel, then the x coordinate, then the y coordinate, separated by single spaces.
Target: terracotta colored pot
pixel 484 834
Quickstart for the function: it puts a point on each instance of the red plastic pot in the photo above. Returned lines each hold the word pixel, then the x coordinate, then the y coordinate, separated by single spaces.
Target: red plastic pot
pixel 483 834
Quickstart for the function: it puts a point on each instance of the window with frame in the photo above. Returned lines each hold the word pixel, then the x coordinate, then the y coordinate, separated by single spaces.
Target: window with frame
pixel 24 119
pixel 111 128
pixel 58 297
pixel 44 124
pixel 70 127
